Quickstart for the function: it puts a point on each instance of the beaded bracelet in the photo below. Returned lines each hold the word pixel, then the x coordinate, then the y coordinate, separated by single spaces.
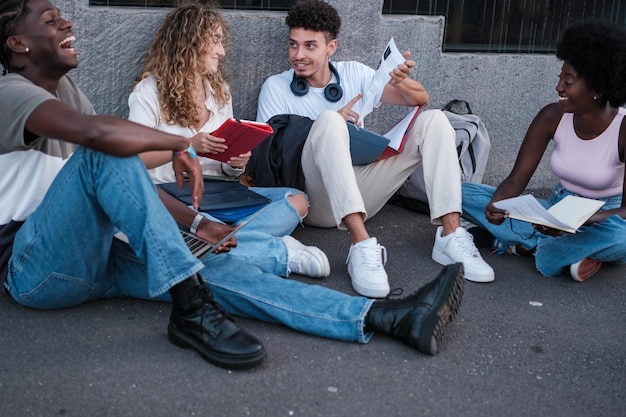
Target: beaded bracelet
pixel 190 150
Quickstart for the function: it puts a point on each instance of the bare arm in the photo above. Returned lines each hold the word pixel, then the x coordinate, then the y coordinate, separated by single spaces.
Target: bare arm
pixel 202 142
pixel 153 159
pixel 402 90
pixel 115 136
pixel 112 135
pixel 538 135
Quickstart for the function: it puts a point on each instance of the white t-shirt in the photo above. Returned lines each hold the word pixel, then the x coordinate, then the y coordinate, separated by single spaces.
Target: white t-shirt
pixel 144 108
pixel 276 96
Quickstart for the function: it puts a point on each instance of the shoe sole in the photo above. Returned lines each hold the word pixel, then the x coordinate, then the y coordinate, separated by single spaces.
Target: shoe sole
pixel 442 259
pixel 433 335
pixel 184 341
pixel 589 268
pixel 370 292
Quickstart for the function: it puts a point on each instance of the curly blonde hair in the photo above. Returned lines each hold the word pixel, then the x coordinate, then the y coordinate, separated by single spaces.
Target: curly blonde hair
pixel 175 60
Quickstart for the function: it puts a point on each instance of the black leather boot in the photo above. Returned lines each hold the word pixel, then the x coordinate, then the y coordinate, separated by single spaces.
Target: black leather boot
pixel 197 321
pixel 419 319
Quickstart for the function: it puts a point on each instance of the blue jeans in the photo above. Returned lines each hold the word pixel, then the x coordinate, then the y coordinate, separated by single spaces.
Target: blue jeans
pixel 603 241
pixel 259 242
pixel 65 254
pixel 245 290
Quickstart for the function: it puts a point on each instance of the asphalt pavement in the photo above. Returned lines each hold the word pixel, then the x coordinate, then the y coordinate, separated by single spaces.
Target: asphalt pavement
pixel 524 345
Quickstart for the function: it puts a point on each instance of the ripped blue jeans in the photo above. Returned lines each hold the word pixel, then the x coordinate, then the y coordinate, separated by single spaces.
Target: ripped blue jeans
pixel 604 241
pixel 259 242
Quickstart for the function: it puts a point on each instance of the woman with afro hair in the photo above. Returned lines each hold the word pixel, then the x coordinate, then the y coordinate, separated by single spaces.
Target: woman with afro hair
pixel 589 133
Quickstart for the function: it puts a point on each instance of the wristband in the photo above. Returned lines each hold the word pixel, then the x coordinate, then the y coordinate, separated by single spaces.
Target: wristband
pixel 189 149
pixel 196 222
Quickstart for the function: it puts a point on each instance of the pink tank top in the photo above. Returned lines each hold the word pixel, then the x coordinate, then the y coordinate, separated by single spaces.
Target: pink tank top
pixel 590 168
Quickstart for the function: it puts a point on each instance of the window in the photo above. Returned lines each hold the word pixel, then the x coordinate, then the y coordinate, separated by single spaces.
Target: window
pixel 225 4
pixel 518 26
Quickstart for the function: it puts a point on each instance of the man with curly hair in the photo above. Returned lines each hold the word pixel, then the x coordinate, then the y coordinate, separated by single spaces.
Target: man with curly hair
pixel 344 195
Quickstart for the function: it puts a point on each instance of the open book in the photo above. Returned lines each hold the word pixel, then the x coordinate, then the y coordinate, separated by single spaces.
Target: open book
pixel 397 134
pixel 241 136
pixel 389 60
pixel 367 146
pixel 567 215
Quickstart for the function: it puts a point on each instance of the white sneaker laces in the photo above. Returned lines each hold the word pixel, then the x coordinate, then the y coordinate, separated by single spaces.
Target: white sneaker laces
pixel 370 256
pixel 466 244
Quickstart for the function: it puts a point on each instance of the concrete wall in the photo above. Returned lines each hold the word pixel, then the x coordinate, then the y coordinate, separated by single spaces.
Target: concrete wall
pixel 505 90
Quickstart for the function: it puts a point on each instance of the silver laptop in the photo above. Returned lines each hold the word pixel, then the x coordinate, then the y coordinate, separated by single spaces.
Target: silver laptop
pixel 199 247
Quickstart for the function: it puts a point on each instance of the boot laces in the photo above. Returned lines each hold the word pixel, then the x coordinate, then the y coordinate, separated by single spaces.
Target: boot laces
pixel 211 309
pixel 394 294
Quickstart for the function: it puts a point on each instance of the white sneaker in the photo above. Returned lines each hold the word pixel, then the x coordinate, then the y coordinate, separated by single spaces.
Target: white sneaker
pixel 366 261
pixel 459 247
pixel 306 260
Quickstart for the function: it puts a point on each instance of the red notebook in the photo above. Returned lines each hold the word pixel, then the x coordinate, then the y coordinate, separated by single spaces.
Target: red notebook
pixel 241 136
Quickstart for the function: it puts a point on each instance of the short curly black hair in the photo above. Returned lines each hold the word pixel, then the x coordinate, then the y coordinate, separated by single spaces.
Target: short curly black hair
pixel 597 51
pixel 12 14
pixel 315 15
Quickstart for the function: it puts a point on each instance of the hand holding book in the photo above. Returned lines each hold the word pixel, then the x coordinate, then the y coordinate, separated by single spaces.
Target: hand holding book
pixel 241 136
pixel 567 215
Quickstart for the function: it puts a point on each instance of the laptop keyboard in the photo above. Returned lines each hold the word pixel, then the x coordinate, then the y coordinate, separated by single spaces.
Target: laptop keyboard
pixel 197 246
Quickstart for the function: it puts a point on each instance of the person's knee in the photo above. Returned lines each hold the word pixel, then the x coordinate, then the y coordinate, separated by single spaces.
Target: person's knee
pixel 433 116
pixel 328 130
pixel 432 129
pixel 329 116
pixel 299 202
pixel 442 122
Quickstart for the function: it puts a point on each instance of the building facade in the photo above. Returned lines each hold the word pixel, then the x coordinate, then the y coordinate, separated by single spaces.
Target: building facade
pixel 505 90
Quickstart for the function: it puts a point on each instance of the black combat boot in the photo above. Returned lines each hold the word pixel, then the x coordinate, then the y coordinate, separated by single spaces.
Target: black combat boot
pixel 197 321
pixel 419 319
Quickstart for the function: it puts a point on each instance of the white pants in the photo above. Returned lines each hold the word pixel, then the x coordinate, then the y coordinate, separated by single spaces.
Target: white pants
pixel 336 188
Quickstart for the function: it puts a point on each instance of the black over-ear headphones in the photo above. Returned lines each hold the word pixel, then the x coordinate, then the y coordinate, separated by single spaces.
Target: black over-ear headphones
pixel 333 92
